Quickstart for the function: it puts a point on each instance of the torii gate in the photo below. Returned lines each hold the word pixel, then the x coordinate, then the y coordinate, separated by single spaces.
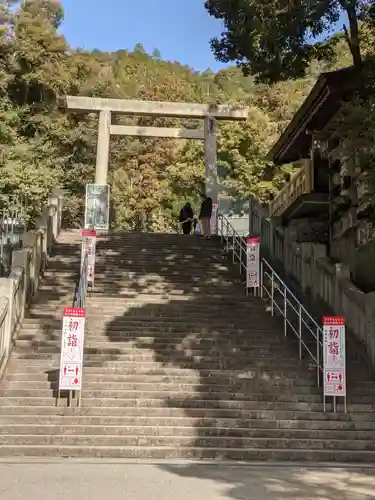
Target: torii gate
pixel 107 107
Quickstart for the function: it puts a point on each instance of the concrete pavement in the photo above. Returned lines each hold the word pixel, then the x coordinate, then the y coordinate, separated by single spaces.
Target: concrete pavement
pixel 68 479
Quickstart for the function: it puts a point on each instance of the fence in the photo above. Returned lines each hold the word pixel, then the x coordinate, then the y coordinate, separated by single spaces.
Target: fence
pixel 282 301
pixel 319 280
pixel 27 265
pixel 13 224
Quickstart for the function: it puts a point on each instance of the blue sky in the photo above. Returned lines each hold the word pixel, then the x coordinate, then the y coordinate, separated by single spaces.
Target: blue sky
pixel 180 29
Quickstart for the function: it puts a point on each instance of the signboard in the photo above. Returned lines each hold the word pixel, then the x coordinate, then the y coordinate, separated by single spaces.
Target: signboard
pixel 89 248
pixel 71 357
pixel 97 207
pixel 213 221
pixel 334 356
pixel 253 263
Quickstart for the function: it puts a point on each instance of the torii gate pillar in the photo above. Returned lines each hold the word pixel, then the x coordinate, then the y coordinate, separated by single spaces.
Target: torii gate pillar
pixel 210 156
pixel 102 151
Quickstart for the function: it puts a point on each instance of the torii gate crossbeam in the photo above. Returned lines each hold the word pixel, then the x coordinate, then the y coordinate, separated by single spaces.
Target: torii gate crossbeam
pixel 106 107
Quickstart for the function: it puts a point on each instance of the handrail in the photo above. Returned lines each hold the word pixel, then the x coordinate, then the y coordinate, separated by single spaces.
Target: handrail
pixel 283 301
pixel 81 290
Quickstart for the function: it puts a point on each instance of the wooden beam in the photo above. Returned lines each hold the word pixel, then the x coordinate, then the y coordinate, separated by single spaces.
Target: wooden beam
pixel 177 133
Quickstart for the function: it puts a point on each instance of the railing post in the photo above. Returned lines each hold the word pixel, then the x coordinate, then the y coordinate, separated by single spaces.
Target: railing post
pixel 300 330
pixel 318 355
pixel 285 312
pixel 234 246
pixel 240 256
pixel 272 293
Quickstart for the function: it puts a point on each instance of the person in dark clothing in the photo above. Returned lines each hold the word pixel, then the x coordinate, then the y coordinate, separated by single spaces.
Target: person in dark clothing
pixel 186 218
pixel 205 216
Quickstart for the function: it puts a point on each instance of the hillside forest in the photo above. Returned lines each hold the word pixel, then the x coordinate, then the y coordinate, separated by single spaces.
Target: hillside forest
pixel 42 146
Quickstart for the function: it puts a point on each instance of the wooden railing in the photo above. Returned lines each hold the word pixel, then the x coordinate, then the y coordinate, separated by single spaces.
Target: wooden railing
pixel 302 182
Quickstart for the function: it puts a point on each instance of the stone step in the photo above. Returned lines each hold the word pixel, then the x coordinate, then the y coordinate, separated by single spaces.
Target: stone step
pixel 172 412
pixel 162 356
pixel 191 260
pixel 146 298
pixel 147 332
pixel 184 302
pixel 166 280
pixel 121 452
pixel 149 352
pixel 165 342
pixel 182 431
pixel 217 264
pixel 154 294
pixel 160 333
pixel 107 291
pixel 115 339
pixel 205 323
pixel 116 342
pixel 167 395
pixel 132 343
pixel 146 312
pixel 170 251
pixel 182 442
pixel 187 403
pixel 149 359
pixel 28 365
pixel 238 385
pixel 151 422
pixel 151 326
pixel 198 291
pixel 97 375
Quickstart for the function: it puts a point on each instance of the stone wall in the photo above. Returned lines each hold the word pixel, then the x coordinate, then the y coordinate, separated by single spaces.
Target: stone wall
pixel 308 267
pixel 28 265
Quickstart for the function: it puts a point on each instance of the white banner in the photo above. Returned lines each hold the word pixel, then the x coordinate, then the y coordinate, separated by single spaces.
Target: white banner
pixel 89 247
pixel 72 342
pixel 213 220
pixel 97 207
pixel 253 263
pixel 334 356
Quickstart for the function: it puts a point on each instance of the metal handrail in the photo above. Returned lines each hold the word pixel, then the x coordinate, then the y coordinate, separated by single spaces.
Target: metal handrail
pixel 80 295
pixel 283 301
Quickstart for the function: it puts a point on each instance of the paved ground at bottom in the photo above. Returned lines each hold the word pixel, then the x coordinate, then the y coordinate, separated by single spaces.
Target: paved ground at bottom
pixel 97 480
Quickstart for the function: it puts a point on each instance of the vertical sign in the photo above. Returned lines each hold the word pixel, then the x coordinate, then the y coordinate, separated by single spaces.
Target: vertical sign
pixel 97 207
pixel 89 248
pixel 71 357
pixel 334 356
pixel 214 218
pixel 252 263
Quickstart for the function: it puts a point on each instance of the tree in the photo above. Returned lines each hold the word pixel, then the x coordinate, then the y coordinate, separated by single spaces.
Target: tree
pixel 42 146
pixel 276 39
pixel 156 55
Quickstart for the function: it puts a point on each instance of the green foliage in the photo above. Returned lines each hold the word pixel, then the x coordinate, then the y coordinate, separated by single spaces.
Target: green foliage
pixel 353 128
pixel 41 146
pixel 277 40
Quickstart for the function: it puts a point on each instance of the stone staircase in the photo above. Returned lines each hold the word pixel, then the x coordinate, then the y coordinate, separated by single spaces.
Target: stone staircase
pixel 178 364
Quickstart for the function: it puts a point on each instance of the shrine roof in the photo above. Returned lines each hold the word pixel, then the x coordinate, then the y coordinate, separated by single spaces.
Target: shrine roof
pixel 323 101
